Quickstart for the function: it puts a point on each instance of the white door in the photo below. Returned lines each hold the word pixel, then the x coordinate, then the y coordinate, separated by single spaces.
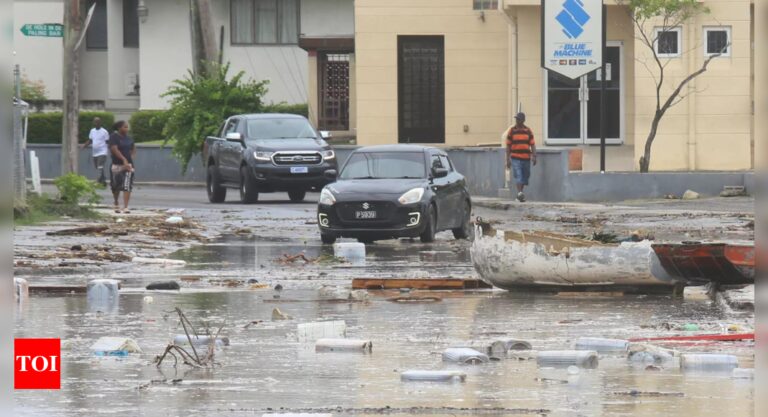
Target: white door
pixel 572 107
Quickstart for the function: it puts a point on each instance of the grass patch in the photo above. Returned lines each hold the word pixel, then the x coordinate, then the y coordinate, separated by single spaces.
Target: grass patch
pixel 43 208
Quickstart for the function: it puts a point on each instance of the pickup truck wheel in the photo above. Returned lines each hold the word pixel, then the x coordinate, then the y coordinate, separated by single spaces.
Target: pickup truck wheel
pixel 428 235
pixel 297 195
pixel 327 239
pixel 216 193
pixel 248 193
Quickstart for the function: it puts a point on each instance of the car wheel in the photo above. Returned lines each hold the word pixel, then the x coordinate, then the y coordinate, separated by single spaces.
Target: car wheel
pixel 216 193
pixel 428 235
pixel 248 193
pixel 327 239
pixel 465 230
pixel 297 195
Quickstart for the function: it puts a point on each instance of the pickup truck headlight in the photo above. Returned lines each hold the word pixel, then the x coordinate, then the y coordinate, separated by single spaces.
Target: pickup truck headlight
pixel 326 197
pixel 262 156
pixel 329 154
pixel 411 196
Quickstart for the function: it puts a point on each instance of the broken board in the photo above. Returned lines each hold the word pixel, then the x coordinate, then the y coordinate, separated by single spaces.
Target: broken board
pixel 419 283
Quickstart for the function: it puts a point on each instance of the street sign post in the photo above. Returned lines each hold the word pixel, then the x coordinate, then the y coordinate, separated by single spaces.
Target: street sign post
pixel 46 30
pixel 573 44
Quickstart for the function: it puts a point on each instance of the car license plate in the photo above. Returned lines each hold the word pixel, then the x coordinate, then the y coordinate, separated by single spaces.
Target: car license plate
pixel 365 214
pixel 299 170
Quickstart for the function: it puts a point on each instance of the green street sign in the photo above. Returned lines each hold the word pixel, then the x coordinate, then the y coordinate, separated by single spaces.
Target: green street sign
pixel 48 30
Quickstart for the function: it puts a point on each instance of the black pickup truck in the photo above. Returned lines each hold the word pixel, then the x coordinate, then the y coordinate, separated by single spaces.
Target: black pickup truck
pixel 259 153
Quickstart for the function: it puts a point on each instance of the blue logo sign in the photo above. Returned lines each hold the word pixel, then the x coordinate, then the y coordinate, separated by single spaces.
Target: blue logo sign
pixel 572 18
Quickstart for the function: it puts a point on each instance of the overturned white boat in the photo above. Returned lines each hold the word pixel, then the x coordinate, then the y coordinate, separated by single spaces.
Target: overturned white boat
pixel 549 261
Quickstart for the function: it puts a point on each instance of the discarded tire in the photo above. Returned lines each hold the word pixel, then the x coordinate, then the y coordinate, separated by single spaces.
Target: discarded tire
pixel 602 345
pixel 464 355
pixel 708 362
pixel 164 285
pixel 433 376
pixel 343 345
pixel 564 358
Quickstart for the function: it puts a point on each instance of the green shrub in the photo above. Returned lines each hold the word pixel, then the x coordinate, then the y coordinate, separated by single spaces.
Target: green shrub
pixel 75 189
pixel 301 108
pixel 147 125
pixel 46 127
pixel 201 102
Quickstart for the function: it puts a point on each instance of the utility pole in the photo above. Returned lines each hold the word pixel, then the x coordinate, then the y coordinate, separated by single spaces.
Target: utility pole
pixel 73 26
pixel 204 49
pixel 19 171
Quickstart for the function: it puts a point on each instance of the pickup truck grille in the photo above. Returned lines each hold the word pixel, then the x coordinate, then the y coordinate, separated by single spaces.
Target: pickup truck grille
pixel 297 158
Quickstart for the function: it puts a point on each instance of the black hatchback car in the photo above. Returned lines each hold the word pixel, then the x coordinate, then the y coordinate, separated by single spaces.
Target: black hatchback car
pixel 393 191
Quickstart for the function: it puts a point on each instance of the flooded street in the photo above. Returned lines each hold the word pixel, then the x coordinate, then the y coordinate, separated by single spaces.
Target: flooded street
pixel 266 370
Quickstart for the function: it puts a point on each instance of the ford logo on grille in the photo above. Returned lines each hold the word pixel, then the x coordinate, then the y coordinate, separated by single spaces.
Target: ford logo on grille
pixel 366 206
pixel 298 158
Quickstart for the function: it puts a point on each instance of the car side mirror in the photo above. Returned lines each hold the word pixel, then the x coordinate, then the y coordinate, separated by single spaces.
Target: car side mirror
pixel 234 137
pixel 325 134
pixel 439 172
pixel 330 174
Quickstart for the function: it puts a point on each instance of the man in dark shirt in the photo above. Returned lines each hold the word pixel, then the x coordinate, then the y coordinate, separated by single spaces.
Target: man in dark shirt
pixel 123 150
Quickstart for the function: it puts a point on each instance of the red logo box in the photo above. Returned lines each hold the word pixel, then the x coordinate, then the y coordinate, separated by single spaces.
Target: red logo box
pixel 37 364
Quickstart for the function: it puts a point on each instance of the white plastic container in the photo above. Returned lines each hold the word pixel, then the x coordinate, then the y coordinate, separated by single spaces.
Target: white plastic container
pixel 600 344
pixel 115 346
pixel 310 332
pixel 103 295
pixel 343 345
pixel 21 289
pixel 565 358
pixel 464 355
pixel 354 252
pixel 181 339
pixel 712 362
pixel 433 376
pixel 650 357
pixel 743 373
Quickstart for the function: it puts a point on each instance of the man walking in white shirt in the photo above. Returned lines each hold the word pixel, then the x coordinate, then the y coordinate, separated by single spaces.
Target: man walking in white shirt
pixel 98 137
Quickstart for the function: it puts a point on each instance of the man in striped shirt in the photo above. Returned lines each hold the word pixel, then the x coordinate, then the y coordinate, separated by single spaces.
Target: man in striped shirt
pixel 521 152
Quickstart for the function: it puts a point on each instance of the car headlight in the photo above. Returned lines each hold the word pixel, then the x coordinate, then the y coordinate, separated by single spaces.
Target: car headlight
pixel 411 196
pixel 262 156
pixel 329 154
pixel 326 197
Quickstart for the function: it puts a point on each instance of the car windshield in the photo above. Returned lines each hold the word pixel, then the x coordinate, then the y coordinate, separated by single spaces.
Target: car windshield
pixel 381 165
pixel 279 128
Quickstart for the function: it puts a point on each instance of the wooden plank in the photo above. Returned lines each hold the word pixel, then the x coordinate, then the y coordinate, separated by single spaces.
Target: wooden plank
pixel 57 289
pixel 418 283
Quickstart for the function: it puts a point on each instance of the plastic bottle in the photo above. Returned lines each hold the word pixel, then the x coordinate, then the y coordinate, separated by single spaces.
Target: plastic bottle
pixel 181 339
pixel 343 345
pixel 602 345
pixel 102 295
pixel 714 362
pixel 564 358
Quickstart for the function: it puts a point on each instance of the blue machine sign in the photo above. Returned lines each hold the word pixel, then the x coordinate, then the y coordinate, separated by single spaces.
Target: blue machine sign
pixel 572 36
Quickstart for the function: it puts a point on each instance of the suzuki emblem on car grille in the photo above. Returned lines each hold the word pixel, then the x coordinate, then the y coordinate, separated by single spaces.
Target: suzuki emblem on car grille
pixel 366 206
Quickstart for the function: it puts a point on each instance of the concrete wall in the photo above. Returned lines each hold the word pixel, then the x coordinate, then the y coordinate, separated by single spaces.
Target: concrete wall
pixel 153 164
pixel 476 65
pixel 710 130
pixel 327 18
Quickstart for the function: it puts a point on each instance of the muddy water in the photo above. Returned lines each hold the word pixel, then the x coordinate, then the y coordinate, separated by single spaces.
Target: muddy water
pixel 265 368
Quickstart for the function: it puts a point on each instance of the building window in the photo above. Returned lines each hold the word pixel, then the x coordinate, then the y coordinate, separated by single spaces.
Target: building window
pixel 264 22
pixel 485 4
pixel 96 35
pixel 668 42
pixel 334 91
pixel 717 40
pixel 130 24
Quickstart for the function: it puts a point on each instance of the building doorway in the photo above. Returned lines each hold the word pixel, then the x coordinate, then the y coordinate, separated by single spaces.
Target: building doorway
pixel 334 91
pixel 572 107
pixel 421 89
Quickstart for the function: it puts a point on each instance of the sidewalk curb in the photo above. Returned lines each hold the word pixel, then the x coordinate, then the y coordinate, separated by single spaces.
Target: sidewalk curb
pixel 495 205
